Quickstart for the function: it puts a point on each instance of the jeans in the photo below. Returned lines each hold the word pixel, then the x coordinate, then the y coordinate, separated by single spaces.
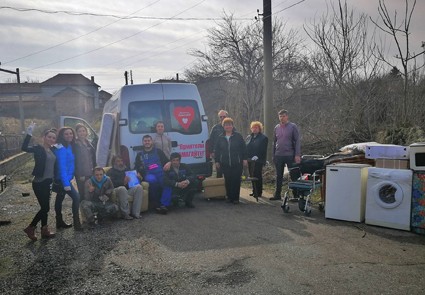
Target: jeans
pixel 75 202
pixel 280 162
pixel 42 191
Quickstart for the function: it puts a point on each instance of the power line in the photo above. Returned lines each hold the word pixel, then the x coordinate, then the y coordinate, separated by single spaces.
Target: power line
pixel 57 45
pixel 128 17
pixel 98 48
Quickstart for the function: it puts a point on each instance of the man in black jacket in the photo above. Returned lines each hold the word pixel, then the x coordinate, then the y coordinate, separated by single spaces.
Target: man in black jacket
pixel 182 181
pixel 121 184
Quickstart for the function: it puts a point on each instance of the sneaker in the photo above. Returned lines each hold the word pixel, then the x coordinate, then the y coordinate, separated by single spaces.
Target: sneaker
pixel 136 216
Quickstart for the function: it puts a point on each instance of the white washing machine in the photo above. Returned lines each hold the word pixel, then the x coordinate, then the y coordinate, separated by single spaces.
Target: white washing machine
pixel 388 198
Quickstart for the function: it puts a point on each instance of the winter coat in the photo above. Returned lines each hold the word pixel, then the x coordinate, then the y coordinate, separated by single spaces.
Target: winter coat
pixel 106 189
pixel 231 152
pixel 216 131
pixel 117 177
pixel 79 165
pixel 39 156
pixel 65 160
pixel 257 146
pixel 171 177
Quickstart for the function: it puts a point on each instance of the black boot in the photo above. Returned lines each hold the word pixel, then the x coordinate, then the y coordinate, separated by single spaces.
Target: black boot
pixel 60 223
pixel 77 224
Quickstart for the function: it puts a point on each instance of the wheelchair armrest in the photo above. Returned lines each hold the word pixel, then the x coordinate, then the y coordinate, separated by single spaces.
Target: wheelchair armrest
pixel 296 166
pixel 319 172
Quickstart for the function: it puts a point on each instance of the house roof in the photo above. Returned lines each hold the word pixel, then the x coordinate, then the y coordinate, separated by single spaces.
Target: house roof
pixel 68 80
pixel 72 91
pixel 104 95
pixel 25 88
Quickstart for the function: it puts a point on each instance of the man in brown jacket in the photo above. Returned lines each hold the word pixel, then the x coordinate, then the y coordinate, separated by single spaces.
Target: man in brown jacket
pixel 98 191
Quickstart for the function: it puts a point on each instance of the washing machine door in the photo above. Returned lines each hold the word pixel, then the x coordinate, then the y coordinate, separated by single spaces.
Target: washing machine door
pixel 388 194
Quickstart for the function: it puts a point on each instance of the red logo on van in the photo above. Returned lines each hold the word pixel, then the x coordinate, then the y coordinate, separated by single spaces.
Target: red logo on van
pixel 184 116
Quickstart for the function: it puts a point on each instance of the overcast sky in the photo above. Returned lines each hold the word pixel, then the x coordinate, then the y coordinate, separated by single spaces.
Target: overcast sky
pixel 44 44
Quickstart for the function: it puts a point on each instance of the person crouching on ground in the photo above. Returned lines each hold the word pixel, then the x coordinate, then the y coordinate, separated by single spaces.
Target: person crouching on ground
pixel 43 172
pixel 182 181
pixel 97 198
pixel 120 181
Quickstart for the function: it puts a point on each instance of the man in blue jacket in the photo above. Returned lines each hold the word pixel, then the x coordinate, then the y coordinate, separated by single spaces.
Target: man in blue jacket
pixel 182 181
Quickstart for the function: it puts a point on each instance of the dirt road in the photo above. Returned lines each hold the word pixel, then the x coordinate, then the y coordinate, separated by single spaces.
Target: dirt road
pixel 216 248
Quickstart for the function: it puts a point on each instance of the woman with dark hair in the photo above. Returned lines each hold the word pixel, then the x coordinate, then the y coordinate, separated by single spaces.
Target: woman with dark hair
pixel 230 157
pixel 44 171
pixel 162 141
pixel 85 158
pixel 65 168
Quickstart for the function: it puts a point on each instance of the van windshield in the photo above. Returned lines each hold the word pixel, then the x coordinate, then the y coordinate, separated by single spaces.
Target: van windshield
pixel 178 116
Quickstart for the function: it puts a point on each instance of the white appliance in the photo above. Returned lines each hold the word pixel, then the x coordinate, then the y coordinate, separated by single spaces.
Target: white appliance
pixel 387 151
pixel 417 156
pixel 346 191
pixel 389 196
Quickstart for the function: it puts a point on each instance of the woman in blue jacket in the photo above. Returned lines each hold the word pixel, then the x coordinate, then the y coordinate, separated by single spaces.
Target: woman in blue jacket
pixel 44 171
pixel 65 173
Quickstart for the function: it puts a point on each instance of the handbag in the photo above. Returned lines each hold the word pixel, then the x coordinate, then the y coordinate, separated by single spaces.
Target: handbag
pixel 57 187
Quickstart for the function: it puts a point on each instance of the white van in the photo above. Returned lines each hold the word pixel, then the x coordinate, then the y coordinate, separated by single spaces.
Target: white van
pixel 133 112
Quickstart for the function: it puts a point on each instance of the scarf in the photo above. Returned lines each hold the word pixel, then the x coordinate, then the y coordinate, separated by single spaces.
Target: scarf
pixel 99 184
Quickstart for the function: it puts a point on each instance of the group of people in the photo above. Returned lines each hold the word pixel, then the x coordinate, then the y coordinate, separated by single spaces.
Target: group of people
pixel 67 153
pixel 231 152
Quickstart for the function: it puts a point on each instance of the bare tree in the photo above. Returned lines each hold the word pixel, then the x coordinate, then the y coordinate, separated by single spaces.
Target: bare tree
pixel 235 54
pixel 404 55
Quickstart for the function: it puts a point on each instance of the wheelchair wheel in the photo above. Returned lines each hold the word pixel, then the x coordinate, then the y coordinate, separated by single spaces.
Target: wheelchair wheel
pixel 285 208
pixel 307 212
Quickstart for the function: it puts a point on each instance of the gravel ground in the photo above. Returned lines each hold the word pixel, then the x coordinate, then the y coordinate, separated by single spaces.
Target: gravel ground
pixel 216 248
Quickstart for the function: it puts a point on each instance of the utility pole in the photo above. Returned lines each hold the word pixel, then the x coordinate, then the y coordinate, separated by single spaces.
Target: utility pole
pixel 21 109
pixel 269 113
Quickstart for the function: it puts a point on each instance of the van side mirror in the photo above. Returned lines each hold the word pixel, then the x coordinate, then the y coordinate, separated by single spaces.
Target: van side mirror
pixel 204 118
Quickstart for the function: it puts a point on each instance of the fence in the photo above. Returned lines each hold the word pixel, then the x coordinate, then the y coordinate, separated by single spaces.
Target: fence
pixel 10 144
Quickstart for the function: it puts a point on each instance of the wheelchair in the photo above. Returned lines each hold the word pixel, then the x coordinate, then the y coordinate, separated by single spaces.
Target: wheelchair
pixel 310 168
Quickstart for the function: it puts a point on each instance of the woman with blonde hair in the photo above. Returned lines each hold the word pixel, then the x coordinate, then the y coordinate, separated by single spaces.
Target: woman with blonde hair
pixel 256 145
